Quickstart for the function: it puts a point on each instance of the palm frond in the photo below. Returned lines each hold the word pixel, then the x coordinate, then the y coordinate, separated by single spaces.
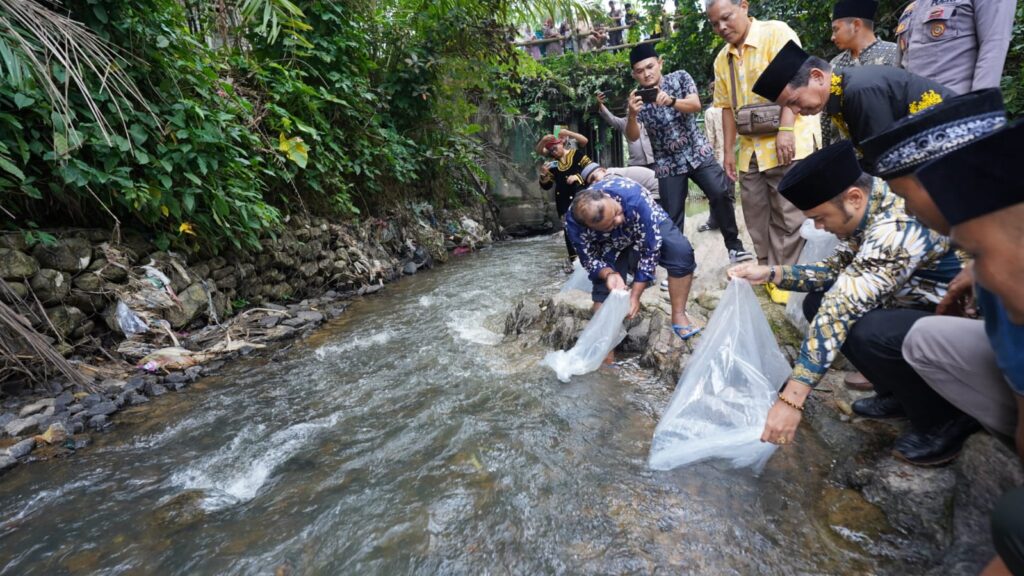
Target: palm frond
pixel 34 39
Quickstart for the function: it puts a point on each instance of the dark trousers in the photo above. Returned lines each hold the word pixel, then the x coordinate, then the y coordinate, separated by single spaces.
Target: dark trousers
pixel 1008 530
pixel 675 256
pixel 712 223
pixel 562 204
pixel 711 179
pixel 875 347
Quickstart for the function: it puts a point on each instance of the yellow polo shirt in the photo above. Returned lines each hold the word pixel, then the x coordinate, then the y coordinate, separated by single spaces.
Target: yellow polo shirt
pixel 764 40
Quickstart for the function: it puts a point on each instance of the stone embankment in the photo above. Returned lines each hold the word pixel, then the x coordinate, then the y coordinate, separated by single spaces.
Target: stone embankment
pixel 135 322
pixel 932 519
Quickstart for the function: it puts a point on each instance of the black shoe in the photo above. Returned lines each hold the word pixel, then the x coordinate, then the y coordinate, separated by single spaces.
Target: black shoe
pixel 707 226
pixel 937 446
pixel 879 407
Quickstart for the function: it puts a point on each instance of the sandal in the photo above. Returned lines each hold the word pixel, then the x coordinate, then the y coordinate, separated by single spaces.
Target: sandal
pixel 686 331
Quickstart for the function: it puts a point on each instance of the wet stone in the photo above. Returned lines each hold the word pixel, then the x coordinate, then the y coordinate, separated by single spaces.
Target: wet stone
pixel 154 389
pixel 175 378
pixel 6 418
pixel 113 386
pixel 92 400
pixel 6 463
pixel 101 409
pixel 75 408
pixel 35 408
pixel 76 427
pixel 21 425
pixel 134 398
pixel 294 322
pixel 22 449
pixel 134 383
pixel 98 422
pixel 62 401
pixel 311 316
pixel 194 372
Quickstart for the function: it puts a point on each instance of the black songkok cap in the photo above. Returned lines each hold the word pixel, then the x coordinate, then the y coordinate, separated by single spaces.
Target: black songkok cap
pixel 855 9
pixel 780 71
pixel 979 178
pixel 642 52
pixel 933 132
pixel 821 176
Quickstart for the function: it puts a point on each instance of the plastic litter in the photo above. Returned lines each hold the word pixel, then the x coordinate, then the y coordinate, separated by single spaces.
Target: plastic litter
pixel 579 280
pixel 721 401
pixel 128 321
pixel 601 336
pixel 819 246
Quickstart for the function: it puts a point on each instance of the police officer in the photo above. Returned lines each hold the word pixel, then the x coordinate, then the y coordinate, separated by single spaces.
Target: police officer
pixel 862 101
pixel 960 44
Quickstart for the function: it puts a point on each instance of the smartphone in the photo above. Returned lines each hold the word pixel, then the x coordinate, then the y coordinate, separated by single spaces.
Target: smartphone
pixel 648 95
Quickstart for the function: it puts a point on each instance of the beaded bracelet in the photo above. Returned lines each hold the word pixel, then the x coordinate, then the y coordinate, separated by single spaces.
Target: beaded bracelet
pixel 789 402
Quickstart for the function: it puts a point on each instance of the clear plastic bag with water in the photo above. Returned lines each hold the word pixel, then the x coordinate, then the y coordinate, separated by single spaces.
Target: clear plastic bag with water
pixel 820 245
pixel 602 334
pixel 579 280
pixel 721 401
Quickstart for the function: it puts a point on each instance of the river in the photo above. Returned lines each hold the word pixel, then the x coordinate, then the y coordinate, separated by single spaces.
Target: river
pixel 407 438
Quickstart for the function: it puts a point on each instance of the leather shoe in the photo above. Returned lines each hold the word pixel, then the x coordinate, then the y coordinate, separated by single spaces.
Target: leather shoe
pixel 937 446
pixel 879 407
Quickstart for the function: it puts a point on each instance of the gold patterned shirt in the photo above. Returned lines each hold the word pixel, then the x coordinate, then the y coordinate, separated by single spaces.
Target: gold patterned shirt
pixel 891 261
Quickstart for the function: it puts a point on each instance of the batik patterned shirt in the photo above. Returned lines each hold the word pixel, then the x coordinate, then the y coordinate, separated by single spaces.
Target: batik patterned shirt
pixel 678 144
pixel 640 231
pixel 891 261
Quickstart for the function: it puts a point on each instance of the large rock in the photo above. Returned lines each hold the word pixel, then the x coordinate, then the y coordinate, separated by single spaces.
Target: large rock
pixel 18 289
pixel 15 264
pixel 67 255
pixel 14 241
pixel 51 285
pixel 193 301
pixel 88 282
pixel 65 319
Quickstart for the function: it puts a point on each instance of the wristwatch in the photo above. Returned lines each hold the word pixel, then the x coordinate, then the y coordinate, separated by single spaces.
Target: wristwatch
pixel 673 104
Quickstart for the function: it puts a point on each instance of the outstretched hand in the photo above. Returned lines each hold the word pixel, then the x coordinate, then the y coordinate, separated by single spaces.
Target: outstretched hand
pixel 749 271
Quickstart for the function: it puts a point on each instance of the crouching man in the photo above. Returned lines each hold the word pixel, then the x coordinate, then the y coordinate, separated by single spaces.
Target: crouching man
pixel 888 271
pixel 617 228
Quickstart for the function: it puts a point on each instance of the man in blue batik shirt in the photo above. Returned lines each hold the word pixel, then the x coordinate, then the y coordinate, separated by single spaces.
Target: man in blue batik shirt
pixel 616 227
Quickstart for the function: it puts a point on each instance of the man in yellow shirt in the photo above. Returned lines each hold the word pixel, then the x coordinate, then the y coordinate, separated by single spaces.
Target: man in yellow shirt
pixel 772 221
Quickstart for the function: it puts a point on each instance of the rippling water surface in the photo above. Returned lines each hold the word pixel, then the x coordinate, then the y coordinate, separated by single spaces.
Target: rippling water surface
pixel 407 437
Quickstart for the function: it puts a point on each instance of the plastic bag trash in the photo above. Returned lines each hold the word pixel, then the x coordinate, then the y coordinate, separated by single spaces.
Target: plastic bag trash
pixel 128 321
pixel 721 402
pixel 601 336
pixel 579 280
pixel 819 246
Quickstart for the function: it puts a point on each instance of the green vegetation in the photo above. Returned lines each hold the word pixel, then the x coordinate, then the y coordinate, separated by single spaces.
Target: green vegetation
pixel 207 123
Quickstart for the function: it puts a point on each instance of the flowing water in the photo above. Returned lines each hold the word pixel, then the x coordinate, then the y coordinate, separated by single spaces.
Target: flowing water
pixel 408 438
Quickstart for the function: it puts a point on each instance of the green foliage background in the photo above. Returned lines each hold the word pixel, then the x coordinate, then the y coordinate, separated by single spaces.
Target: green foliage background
pixel 252 110
pixel 353 106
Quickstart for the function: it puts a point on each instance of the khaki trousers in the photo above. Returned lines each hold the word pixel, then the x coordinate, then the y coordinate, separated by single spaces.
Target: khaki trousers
pixel 954 356
pixel 772 221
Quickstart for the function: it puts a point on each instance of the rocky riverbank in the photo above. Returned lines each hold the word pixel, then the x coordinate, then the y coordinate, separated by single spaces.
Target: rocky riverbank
pixel 933 520
pixel 134 322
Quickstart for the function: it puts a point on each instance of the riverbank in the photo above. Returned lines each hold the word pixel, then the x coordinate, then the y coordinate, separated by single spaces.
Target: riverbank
pixel 932 520
pixel 134 322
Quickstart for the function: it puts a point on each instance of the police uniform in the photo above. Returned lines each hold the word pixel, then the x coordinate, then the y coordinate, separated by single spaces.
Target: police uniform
pixel 960 44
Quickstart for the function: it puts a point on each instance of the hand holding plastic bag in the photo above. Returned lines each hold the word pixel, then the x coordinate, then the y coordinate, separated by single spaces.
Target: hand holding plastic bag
pixel 601 336
pixel 721 402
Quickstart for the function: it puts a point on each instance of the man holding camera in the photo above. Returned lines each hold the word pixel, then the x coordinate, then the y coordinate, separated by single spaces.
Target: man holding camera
pixel 666 107
pixel 771 138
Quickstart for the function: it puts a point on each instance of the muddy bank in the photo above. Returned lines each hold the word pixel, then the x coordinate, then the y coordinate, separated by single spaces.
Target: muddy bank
pixel 932 520
pixel 135 322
